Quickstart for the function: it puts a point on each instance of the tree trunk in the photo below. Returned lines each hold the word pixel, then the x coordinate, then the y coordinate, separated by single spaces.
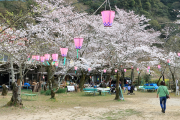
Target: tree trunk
pixel 82 80
pixel 15 101
pixel 117 88
pixel 4 90
pixel 139 78
pixel 159 80
pixel 16 96
pixel 122 79
pixel 52 94
pixel 132 75
pixel 173 78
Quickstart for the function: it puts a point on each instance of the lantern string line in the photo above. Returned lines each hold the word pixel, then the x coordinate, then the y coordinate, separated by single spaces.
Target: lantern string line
pixel 64 60
pixel 106 5
pixel 77 53
pixel 99 7
pixel 109 5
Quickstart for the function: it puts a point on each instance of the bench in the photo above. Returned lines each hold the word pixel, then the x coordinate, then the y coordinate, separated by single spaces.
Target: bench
pixel 141 88
pixel 27 93
pixel 90 90
pixel 104 90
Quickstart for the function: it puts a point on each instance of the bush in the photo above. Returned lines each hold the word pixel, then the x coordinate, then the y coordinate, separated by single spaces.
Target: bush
pixel 42 92
pixel 48 92
pixel 62 90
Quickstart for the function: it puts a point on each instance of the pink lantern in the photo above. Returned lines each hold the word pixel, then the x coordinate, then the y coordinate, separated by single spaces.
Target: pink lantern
pixel 179 54
pixel 159 66
pixel 55 57
pixel 33 57
pixel 147 70
pixel 148 67
pixel 137 69
pixel 132 67
pixel 29 57
pixel 115 71
pixel 75 67
pixel 108 17
pixel 42 58
pixel 124 70
pixel 64 51
pixel 56 64
pixel 104 71
pixel 78 42
pixel 37 57
pixel 168 61
pixel 47 56
pixel 89 69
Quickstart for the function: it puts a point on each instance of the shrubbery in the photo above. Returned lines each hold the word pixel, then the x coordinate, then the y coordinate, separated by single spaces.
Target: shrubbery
pixel 48 92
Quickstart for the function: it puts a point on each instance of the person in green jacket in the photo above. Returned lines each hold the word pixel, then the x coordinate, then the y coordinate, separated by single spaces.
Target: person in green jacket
pixel 162 92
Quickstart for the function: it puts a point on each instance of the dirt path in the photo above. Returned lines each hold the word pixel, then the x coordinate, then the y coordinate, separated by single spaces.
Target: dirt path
pixel 134 107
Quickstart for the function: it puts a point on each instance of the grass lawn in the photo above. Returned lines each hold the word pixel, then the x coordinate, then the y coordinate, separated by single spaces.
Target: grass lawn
pixel 74 105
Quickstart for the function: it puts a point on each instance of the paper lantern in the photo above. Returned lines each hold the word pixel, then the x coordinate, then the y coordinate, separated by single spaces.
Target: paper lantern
pixel 37 57
pixel 108 17
pixel 33 57
pixel 75 67
pixel 124 70
pixel 42 58
pixel 137 69
pixel 29 57
pixel 89 69
pixel 56 64
pixel 168 61
pixel 55 57
pixel 148 67
pixel 47 57
pixel 132 67
pixel 159 66
pixel 64 53
pixel 104 71
pixel 115 71
pixel 147 70
pixel 179 54
pixel 78 43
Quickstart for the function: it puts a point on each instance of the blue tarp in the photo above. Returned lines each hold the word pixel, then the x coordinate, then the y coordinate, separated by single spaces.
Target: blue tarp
pixel 27 84
pixel 151 84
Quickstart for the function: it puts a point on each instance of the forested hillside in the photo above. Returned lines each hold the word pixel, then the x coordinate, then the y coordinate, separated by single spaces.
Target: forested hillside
pixel 159 11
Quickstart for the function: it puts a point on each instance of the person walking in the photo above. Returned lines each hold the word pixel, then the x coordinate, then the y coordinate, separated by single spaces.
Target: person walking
pixel 162 92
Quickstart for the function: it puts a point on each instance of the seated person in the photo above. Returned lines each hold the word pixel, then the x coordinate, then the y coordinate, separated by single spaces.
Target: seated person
pixel 129 88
